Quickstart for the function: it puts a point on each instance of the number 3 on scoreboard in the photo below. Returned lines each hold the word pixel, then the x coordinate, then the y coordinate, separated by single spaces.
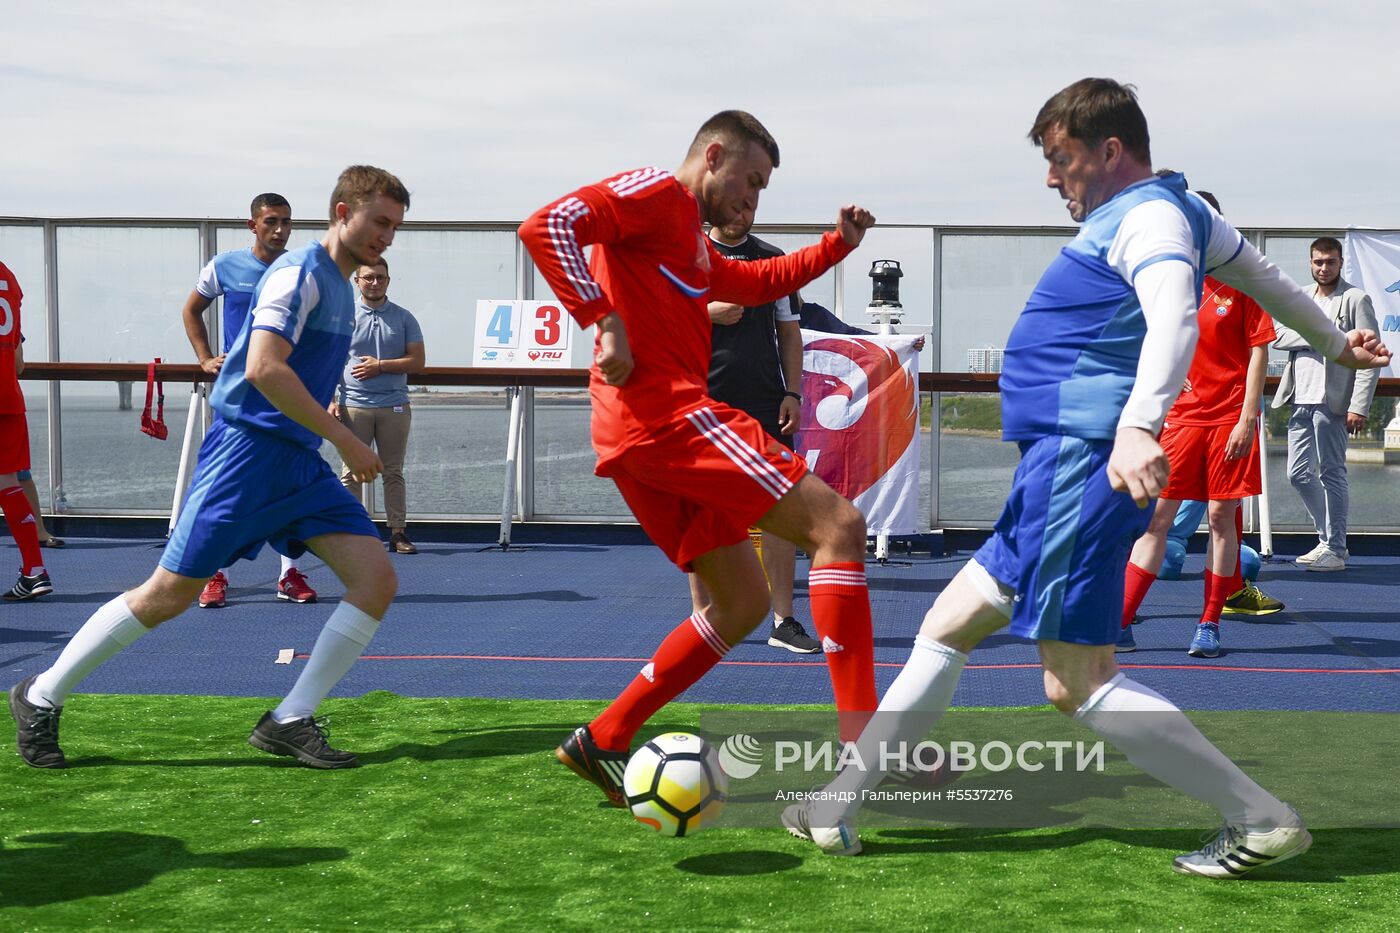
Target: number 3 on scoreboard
pixel 549 318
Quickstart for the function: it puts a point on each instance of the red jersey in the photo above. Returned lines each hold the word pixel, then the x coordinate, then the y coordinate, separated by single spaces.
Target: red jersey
pixel 654 266
pixel 1231 324
pixel 11 398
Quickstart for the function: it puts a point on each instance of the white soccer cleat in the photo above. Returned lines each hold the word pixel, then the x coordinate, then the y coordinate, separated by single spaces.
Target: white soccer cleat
pixel 840 839
pixel 1236 851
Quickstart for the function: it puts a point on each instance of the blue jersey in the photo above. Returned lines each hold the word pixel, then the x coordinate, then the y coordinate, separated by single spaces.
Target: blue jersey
pixel 235 275
pixel 1073 353
pixel 303 298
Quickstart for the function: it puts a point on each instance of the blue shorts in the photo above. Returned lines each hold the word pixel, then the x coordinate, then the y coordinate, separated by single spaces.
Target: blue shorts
pixel 1063 542
pixel 252 488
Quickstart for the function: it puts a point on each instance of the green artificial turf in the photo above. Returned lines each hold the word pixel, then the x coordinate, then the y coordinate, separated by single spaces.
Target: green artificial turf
pixel 461 819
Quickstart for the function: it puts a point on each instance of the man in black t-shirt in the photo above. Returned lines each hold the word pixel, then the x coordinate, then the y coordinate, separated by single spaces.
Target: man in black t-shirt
pixel 756 367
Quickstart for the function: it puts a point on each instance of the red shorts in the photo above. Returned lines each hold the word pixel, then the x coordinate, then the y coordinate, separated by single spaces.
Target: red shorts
pixel 698 483
pixel 14 442
pixel 1199 469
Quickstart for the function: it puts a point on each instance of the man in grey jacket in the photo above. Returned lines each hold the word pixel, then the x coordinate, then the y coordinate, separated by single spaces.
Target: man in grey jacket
pixel 1330 402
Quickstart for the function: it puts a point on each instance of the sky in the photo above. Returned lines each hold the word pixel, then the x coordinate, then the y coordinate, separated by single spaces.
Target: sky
pixel 918 110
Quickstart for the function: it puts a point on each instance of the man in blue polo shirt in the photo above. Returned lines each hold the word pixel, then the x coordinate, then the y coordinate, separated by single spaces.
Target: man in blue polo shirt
pixel 1092 366
pixel 261 479
pixel 235 275
pixel 386 347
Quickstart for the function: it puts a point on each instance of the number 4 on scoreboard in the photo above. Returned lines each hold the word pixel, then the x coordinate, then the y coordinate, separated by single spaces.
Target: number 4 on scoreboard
pixel 499 326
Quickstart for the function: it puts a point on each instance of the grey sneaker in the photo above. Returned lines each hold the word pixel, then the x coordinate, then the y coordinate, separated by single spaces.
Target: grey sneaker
pixel 790 634
pixel 1310 557
pixel 304 739
pixel 36 729
pixel 1329 561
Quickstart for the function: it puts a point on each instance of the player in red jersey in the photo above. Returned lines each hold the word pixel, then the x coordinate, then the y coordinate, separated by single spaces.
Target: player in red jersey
pixel 697 473
pixel 1210 440
pixel 14 448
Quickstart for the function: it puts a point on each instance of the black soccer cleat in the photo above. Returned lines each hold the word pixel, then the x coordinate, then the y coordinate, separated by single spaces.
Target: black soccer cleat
pixel 29 587
pixel 588 761
pixel 790 634
pixel 36 729
pixel 304 739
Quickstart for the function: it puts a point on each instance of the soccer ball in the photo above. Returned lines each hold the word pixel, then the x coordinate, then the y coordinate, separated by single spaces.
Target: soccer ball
pixel 1250 563
pixel 674 784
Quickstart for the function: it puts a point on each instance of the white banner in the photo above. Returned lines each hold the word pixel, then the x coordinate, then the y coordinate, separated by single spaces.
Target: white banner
pixel 1371 262
pixel 860 424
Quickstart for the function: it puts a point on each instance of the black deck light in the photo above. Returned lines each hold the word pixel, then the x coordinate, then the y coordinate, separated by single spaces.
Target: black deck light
pixel 885 273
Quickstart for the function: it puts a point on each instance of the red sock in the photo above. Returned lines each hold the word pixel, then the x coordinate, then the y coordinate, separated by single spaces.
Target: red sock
pixel 1136 583
pixel 841 616
pixel 1237 578
pixel 20 518
pixel 1217 591
pixel 691 649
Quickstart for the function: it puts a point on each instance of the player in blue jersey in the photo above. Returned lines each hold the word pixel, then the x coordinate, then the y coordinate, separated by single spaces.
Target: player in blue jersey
pixel 261 478
pixel 1091 367
pixel 235 276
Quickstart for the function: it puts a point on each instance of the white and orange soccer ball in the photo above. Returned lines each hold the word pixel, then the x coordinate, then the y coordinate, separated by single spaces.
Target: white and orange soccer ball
pixel 674 784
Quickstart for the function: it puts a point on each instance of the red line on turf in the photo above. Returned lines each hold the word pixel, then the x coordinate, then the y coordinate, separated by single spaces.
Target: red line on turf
pixel 970 667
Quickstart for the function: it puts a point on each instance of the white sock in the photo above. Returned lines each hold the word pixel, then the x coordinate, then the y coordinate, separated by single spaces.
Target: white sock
pixel 288 563
pixel 1158 738
pixel 908 712
pixel 107 631
pixel 341 642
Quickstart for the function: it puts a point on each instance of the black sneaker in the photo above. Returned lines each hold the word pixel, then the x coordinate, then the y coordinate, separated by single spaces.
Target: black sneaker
pixel 303 739
pixel 36 729
pixel 790 634
pixel 595 764
pixel 29 587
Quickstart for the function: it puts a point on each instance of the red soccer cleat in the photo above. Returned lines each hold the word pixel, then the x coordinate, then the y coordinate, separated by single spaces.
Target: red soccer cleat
pixel 214 592
pixel 294 587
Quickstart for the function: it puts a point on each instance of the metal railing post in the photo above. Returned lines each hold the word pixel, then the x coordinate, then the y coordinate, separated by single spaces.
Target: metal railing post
pixel 57 499
pixel 525 461
pixel 935 398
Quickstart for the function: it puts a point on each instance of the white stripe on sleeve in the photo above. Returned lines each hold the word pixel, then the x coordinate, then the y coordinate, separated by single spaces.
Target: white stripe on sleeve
pixel 208 284
pixel 285 302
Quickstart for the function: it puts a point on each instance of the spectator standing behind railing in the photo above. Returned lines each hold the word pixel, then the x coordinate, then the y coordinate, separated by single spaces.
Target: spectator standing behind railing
pixel 234 275
pixel 373 396
pixel 14 447
pixel 1330 402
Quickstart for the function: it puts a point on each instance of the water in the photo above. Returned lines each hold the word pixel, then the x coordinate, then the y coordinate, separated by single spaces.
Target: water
pixel 456 457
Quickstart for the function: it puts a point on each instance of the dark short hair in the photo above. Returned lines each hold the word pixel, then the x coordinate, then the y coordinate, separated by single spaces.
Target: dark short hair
pixel 1210 199
pixel 736 126
pixel 1092 110
pixel 360 184
pixel 1326 244
pixel 381 261
pixel 265 200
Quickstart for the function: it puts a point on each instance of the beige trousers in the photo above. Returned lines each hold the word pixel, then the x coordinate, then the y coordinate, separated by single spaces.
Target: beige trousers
pixel 387 431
